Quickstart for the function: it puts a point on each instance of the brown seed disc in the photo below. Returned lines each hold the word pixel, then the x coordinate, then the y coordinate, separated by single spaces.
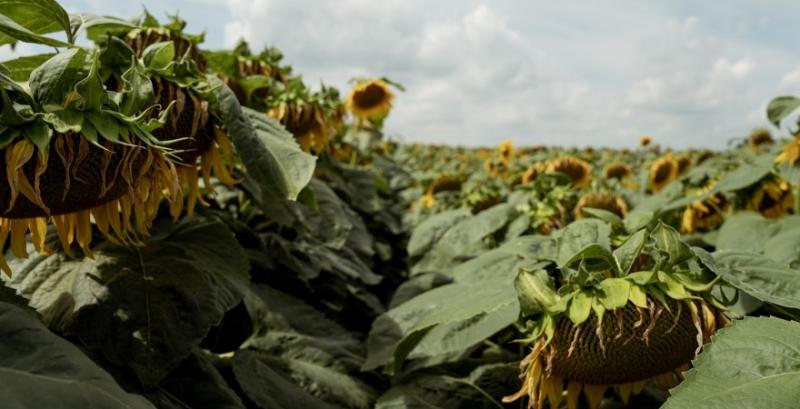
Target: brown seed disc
pixel 85 180
pixel 183 120
pixel 628 356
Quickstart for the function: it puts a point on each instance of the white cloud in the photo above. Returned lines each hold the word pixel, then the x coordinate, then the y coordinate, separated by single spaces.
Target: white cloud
pixel 569 73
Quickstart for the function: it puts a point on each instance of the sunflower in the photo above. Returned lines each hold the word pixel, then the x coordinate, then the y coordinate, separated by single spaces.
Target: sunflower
pixel 760 137
pixel 645 141
pixel 444 183
pixel 773 198
pixel 663 171
pixel 704 214
pixel 621 172
pixel 790 154
pixel 621 349
pixel 201 147
pixel 370 100
pixel 506 150
pixel 531 173
pixel 616 331
pixel 601 200
pixel 306 121
pixel 579 172
pixel 684 163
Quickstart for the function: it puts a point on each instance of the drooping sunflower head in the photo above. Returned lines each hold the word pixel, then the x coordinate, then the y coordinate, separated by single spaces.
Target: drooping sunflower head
pixel 684 163
pixel 790 153
pixel 705 214
pixel 760 137
pixel 617 170
pixel 645 141
pixel 601 200
pixel 663 171
pixel 370 99
pixel 618 331
pixel 773 198
pixel 579 172
pixel 446 183
pixel 306 121
pixel 532 172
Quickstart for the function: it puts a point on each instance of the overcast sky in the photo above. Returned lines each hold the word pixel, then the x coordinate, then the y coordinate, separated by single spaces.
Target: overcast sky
pixel 537 72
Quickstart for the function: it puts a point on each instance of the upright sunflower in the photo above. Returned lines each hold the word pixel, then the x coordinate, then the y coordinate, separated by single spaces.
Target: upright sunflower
pixel 621 172
pixel 370 99
pixel 506 150
pixel 645 141
pixel 663 171
pixel 579 172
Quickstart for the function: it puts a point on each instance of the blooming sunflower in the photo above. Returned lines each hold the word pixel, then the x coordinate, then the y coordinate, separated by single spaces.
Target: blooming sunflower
pixel 444 183
pixel 617 332
pixel 579 172
pixel 601 200
pixel 663 171
pixel 370 99
pixel 645 141
pixel 684 163
pixel 773 198
pixel 704 214
pixel 621 172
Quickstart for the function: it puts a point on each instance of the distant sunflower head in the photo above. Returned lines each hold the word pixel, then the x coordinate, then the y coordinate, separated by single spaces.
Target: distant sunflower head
pixel 773 198
pixel 645 141
pixel 760 137
pixel 601 200
pixel 617 170
pixel 684 163
pixel 531 173
pixel 306 122
pixel 704 214
pixel 446 183
pixel 663 171
pixel 506 150
pixel 790 153
pixel 579 172
pixel 370 99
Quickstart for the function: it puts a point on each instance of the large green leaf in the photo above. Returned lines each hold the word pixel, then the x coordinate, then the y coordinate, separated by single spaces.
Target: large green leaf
pixel 143 307
pixel 755 363
pixel 27 20
pixel 195 383
pixel 51 81
pixel 759 276
pixel 780 107
pixel 41 370
pixel 449 318
pixel 20 68
pixel 430 231
pixel 481 389
pixel 584 238
pixel 272 157
pixel 268 388
pixel 746 231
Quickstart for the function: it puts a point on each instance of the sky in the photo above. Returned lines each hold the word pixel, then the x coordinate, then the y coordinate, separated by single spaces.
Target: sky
pixel 569 73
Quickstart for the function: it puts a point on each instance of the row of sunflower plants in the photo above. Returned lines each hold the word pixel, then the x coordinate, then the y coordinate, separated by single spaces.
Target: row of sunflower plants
pixel 187 228
pixel 554 277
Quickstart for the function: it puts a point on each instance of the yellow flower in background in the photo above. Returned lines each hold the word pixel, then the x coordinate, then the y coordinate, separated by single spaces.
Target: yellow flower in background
pixel 773 199
pixel 663 171
pixel 531 173
pixel 704 214
pixel 506 150
pixel 601 200
pixel 645 141
pixel 790 154
pixel 579 172
pixel 370 99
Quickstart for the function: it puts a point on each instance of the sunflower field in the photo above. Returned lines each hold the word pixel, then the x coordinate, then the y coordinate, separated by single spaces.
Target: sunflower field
pixel 192 228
